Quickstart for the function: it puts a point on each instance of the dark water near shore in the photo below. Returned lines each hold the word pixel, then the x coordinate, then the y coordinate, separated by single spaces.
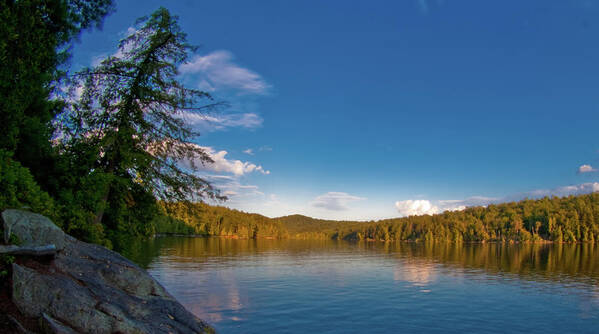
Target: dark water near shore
pixel 293 286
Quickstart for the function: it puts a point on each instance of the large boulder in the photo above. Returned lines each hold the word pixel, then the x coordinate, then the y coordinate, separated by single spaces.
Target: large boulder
pixel 32 229
pixel 89 289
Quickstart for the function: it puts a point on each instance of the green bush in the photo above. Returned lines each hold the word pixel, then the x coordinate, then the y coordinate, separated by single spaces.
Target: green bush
pixel 19 190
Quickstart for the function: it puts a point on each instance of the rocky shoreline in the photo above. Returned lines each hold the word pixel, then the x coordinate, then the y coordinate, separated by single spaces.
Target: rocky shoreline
pixel 58 284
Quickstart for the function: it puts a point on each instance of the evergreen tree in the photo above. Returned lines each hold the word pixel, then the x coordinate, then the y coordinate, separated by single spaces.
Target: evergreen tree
pixel 129 120
pixel 35 37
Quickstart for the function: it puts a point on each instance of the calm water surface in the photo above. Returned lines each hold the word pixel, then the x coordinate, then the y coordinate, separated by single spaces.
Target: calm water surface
pixel 293 286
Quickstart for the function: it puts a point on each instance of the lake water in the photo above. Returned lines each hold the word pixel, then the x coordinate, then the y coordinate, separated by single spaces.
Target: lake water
pixel 294 286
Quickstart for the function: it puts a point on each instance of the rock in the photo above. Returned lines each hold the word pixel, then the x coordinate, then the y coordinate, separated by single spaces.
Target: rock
pixel 32 229
pixel 57 295
pixel 53 326
pixel 48 250
pixel 88 288
pixel 6 234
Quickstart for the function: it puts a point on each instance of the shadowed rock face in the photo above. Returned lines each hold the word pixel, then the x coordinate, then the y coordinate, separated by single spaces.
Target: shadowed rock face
pixel 88 288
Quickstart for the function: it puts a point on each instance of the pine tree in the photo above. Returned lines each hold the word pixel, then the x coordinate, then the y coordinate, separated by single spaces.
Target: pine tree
pixel 130 116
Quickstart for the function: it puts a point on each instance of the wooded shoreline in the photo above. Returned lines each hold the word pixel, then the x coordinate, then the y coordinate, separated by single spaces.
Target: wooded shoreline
pixel 571 219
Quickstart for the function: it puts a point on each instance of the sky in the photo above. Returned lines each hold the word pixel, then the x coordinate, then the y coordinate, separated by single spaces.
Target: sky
pixel 375 109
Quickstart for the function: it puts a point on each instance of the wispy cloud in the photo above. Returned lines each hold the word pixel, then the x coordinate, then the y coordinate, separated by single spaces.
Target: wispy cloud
pixel 335 201
pixel 231 187
pixel 586 169
pixel 218 71
pixel 216 122
pixel 460 204
pixel 577 189
pixel 214 72
pixel 249 151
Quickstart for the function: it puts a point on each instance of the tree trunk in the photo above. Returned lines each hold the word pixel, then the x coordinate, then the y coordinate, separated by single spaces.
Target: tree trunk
pixel 100 213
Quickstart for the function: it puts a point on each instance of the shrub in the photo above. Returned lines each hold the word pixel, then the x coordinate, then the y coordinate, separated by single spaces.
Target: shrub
pixel 19 190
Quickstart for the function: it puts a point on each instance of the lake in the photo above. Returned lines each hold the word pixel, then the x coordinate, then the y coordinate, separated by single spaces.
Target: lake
pixel 297 286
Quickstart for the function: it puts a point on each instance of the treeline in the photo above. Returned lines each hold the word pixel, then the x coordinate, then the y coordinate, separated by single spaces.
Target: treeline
pixel 567 219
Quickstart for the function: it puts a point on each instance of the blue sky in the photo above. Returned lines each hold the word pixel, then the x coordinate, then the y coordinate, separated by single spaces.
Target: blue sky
pixel 375 109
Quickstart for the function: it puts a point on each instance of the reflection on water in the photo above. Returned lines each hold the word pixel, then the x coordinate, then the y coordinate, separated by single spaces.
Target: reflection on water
pixel 417 272
pixel 252 286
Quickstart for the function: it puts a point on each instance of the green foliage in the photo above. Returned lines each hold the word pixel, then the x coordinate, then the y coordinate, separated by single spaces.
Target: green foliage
pixel 7 259
pixel 34 44
pixel 14 240
pixel 35 37
pixel 5 262
pixel 78 204
pixel 131 210
pixel 28 52
pixel 78 193
pixel 164 224
pixel 19 189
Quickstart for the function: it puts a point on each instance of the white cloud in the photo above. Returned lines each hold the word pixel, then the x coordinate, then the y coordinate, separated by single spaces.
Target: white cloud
pixel 416 207
pixel 214 122
pixel 586 169
pixel 222 164
pixel 249 151
pixel 335 201
pixel 219 72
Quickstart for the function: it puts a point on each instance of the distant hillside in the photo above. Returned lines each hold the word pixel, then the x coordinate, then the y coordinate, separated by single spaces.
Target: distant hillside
pixel 204 219
pixel 297 224
pixel 567 219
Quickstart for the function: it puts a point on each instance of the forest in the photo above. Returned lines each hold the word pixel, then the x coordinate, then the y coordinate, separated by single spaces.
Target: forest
pixel 566 219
